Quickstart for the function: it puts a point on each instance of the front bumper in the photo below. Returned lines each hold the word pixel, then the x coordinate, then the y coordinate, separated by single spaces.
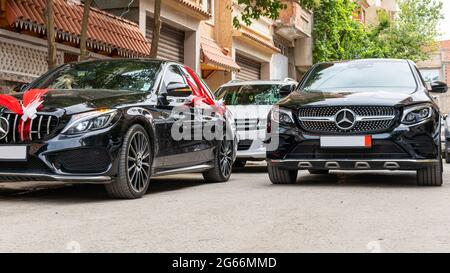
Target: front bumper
pixel 402 148
pixel 35 176
pixel 351 164
pixel 90 158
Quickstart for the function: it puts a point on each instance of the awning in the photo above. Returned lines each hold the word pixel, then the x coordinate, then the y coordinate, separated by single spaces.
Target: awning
pixel 196 8
pixel 248 34
pixel 214 55
pixel 106 32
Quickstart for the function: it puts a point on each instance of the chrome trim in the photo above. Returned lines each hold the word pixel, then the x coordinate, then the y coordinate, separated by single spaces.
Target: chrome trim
pixel 323 119
pixel 192 169
pixel 332 165
pixel 350 160
pixel 62 178
pixel 6 139
pixel 391 165
pixel 362 165
pixel 22 127
pixel 48 124
pixel 31 130
pixel 39 126
pixel 374 118
pixel 14 128
pixel 305 165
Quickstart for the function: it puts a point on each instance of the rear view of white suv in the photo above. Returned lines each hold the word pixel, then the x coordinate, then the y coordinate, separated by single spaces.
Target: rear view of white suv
pixel 250 102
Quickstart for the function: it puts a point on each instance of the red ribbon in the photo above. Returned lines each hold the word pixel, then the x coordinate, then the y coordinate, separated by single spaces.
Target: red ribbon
pixel 12 104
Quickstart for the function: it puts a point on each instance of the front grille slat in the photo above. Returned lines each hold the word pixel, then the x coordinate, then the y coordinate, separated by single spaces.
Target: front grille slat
pixel 39 127
pixel 370 119
pixel 246 124
pixel 31 131
pixel 48 124
pixel 37 130
pixel 14 128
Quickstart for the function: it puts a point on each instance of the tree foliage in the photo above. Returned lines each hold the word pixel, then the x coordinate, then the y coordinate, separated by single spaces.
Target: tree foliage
pixel 413 34
pixel 337 36
pixel 255 9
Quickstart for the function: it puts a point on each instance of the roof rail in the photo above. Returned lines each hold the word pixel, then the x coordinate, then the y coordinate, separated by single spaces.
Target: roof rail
pixel 235 81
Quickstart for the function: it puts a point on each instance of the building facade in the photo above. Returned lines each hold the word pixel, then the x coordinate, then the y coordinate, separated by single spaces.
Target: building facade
pixel 200 33
pixel 23 44
pixel 367 12
pixel 437 68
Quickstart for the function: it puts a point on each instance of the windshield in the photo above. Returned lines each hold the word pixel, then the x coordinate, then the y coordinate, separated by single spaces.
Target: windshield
pixel 361 76
pixel 111 75
pixel 250 94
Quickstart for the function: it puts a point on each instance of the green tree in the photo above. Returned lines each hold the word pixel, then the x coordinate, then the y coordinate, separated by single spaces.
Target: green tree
pixel 336 35
pixel 255 9
pixel 412 35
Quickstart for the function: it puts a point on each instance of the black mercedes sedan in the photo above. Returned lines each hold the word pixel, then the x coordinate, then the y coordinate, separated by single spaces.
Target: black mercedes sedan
pixel 374 114
pixel 115 122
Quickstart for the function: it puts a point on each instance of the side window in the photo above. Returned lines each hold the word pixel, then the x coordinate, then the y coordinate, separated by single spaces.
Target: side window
pixel 173 75
pixel 175 86
pixel 422 80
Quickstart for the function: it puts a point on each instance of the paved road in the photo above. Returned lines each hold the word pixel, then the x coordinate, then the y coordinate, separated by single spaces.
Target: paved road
pixel 341 212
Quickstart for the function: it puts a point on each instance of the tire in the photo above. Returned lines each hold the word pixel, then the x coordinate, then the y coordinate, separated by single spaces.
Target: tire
pixel 239 163
pixel 431 176
pixel 281 176
pixel 223 163
pixel 134 170
pixel 319 172
pixel 447 158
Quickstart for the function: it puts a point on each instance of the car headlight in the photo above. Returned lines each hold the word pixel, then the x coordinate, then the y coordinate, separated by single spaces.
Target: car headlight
pixel 90 121
pixel 417 114
pixel 281 116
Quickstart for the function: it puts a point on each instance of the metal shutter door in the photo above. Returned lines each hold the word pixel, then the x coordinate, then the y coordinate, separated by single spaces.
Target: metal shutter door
pixel 250 70
pixel 171 43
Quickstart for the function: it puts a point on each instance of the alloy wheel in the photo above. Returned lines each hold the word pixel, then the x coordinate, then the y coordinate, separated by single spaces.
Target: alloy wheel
pixel 226 158
pixel 138 162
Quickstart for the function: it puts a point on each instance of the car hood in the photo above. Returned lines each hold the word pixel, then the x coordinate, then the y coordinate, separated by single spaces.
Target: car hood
pixel 78 101
pixel 382 98
pixel 250 111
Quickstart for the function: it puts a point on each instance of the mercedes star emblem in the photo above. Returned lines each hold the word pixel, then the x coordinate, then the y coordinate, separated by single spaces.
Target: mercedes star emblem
pixel 4 127
pixel 345 119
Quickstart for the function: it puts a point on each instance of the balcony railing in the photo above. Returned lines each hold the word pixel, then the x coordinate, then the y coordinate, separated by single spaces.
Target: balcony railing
pixel 294 22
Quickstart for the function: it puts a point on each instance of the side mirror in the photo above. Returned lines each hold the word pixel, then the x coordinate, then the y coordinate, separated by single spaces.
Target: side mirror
pixel 20 88
pixel 286 90
pixel 439 87
pixel 178 89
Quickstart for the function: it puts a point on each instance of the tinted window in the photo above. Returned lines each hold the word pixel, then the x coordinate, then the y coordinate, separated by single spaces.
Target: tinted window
pixel 360 75
pixel 110 75
pixel 250 94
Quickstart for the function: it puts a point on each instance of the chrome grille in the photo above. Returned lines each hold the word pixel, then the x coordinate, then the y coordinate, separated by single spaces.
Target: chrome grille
pixel 369 119
pixel 40 128
pixel 246 124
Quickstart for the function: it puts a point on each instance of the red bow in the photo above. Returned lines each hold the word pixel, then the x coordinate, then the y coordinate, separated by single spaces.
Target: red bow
pixel 31 102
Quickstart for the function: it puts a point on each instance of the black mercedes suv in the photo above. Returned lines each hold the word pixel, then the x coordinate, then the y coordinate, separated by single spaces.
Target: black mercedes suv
pixel 115 122
pixel 374 114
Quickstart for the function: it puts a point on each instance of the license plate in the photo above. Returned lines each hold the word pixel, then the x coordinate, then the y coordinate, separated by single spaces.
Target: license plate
pixel 346 142
pixel 13 153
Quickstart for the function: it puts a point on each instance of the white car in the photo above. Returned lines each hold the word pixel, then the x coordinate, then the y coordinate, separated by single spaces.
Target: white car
pixel 250 102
